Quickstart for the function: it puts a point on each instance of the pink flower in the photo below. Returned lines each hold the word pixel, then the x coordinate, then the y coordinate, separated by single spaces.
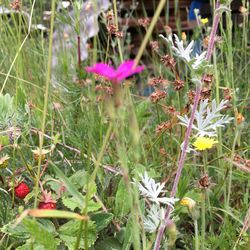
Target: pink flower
pixel 123 71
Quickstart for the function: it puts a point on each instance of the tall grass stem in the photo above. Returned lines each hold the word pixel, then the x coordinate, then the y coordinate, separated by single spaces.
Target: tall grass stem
pixel 46 98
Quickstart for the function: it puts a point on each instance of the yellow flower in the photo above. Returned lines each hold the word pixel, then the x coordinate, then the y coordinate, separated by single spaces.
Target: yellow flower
pixel 204 20
pixel 203 143
pixel 4 161
pixel 188 202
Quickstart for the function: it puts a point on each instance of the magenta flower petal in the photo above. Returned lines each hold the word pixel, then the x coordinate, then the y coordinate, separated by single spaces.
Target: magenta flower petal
pixel 102 69
pixel 126 69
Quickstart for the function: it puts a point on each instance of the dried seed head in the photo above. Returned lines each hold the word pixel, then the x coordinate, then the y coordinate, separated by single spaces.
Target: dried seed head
pixel 170 111
pixel 163 127
pixel 112 29
pixel 144 22
pixel 228 94
pixel 15 5
pixel 154 45
pixel 178 84
pixel 204 182
pixel 168 61
pixel 205 94
pixel 109 90
pixel 208 79
pixel 163 152
pixel 98 88
pixel 157 95
pixel 119 34
pixel 157 82
pixel 99 98
pixel 191 95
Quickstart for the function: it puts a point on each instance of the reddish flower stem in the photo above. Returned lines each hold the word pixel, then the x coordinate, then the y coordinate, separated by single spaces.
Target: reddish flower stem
pixel 188 132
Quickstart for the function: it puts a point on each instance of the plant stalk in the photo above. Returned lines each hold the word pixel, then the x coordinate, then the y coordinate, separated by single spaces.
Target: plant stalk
pixel 188 132
pixel 46 99
pixel 196 235
pixel 203 219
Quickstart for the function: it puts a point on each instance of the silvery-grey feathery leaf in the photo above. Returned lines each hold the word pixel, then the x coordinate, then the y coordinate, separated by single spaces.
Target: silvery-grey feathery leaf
pixel 207 119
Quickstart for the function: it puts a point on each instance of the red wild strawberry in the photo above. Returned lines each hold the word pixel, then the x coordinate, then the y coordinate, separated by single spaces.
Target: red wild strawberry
pixel 46 201
pixel 21 190
pixel 47 205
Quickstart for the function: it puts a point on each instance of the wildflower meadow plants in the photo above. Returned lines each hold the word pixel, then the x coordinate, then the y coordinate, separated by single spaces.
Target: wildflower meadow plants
pixel 101 150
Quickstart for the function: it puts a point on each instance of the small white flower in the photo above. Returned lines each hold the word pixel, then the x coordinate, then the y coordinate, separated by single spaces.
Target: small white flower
pixel 152 190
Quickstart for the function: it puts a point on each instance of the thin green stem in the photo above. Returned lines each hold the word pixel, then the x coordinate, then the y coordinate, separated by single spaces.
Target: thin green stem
pixel 105 143
pixel 20 48
pixel 160 7
pixel 46 97
pixel 229 190
pixel 203 219
pixel 116 23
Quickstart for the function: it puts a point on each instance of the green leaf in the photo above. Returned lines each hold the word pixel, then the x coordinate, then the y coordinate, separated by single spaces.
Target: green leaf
pixel 93 206
pixel 70 203
pixel 4 140
pixel 79 179
pixel 128 237
pixel 40 234
pixel 7 110
pixel 122 204
pixel 101 220
pixel 69 186
pixel 108 244
pixel 18 231
pixel 69 231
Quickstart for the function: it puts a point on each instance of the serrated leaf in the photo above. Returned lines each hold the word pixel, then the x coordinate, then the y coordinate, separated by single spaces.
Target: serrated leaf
pixel 69 231
pixel 122 205
pixel 101 220
pixel 108 244
pixel 40 234
pixel 70 203
pixel 18 231
pixel 79 179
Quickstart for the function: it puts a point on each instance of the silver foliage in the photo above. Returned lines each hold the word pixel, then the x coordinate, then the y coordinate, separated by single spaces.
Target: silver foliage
pixel 207 119
pixel 152 190
pixel 154 217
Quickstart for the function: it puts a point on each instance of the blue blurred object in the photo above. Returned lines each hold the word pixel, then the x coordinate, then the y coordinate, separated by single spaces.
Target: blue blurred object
pixel 196 4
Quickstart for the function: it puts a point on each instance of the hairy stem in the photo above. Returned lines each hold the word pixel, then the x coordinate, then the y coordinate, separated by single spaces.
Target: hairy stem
pixel 196 235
